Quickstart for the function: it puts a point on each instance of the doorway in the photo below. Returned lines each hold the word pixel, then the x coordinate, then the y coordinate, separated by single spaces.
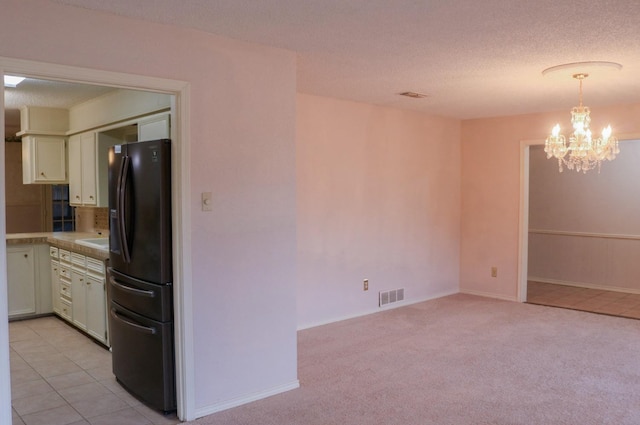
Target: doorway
pixel 579 233
pixel 180 212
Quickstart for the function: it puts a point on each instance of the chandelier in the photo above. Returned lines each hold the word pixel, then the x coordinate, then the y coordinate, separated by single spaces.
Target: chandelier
pixel 583 152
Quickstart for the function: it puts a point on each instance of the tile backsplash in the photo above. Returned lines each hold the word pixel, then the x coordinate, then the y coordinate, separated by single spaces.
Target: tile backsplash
pixel 92 219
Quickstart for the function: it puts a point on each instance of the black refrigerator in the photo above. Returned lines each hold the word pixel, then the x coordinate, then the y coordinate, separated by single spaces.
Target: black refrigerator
pixel 140 271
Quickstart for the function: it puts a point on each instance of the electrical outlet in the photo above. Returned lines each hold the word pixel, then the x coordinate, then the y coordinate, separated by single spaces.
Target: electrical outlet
pixel 365 284
pixel 494 271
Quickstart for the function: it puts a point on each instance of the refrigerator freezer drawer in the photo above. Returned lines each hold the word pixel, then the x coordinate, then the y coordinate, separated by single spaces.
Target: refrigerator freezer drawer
pixel 143 359
pixel 148 299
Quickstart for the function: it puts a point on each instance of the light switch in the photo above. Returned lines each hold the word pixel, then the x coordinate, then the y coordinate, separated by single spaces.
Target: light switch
pixel 206 201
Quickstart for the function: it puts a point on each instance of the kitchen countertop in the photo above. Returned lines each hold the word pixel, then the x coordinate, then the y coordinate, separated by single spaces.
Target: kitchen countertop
pixel 65 240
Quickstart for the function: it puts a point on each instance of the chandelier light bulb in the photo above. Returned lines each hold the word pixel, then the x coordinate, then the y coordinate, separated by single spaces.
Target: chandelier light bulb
pixel 583 153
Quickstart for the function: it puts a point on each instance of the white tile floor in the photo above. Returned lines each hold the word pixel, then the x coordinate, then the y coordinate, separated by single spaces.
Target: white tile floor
pixel 61 377
pixel 577 298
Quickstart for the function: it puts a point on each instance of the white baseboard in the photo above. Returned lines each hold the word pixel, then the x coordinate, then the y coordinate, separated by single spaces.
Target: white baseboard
pixel 238 401
pixel 585 285
pixel 377 310
pixel 488 295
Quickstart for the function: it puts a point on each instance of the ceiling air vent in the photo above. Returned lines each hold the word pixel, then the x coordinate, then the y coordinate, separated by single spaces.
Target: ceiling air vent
pixel 413 95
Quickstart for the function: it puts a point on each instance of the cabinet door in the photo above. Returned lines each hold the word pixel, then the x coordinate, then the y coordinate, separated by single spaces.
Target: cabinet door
pixel 75 169
pixel 155 127
pixel 96 309
pixel 79 297
pixel 55 286
pixel 48 159
pixel 89 169
pixel 82 169
pixel 21 280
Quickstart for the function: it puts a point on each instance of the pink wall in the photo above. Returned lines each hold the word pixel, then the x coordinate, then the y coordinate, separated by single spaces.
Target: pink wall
pixel 242 149
pixel 378 198
pixel 491 190
pixel 597 202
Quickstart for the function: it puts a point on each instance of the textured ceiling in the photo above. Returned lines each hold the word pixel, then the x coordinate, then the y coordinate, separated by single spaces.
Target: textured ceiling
pixel 51 94
pixel 473 58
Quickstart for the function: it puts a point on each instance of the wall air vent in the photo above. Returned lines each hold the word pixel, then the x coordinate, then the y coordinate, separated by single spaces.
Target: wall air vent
pixel 413 95
pixel 389 297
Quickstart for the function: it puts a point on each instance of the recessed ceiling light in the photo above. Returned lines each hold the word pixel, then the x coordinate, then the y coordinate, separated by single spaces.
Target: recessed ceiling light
pixel 12 81
pixel 413 95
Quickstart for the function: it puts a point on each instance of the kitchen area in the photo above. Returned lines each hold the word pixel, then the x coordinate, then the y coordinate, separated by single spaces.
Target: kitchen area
pixel 58 215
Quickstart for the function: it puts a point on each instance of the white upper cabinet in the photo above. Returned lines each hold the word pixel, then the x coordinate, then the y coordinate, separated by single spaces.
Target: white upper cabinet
pixel 44 159
pixel 75 169
pixel 44 145
pixel 82 170
pixel 40 120
pixel 94 126
pixel 154 127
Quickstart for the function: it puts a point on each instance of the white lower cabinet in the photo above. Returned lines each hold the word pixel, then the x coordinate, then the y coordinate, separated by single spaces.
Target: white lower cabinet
pixel 79 298
pixel 82 296
pixel 96 319
pixel 55 285
pixel 28 280
pixel 21 280
pixel 64 282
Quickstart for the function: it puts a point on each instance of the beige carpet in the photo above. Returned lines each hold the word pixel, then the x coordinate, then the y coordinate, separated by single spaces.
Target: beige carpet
pixel 461 360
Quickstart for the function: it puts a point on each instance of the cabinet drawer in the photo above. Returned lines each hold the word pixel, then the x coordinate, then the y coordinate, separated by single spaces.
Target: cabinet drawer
pixel 65 271
pixel 65 290
pixel 65 256
pixel 78 260
pixel 96 266
pixel 65 309
pixel 53 252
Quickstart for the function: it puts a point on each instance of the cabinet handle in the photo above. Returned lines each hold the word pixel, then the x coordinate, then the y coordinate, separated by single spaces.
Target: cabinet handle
pixel 88 283
pixel 26 255
pixel 90 197
pixel 77 197
pixel 42 174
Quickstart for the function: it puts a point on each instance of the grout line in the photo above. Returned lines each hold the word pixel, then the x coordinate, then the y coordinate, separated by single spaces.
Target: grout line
pixel 554 295
pixel 36 326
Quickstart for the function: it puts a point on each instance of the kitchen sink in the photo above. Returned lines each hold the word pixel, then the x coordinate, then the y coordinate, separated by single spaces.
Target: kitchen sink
pixel 99 243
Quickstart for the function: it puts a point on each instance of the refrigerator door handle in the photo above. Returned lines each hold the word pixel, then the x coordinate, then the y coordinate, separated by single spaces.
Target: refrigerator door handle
pixel 140 328
pixel 140 292
pixel 121 206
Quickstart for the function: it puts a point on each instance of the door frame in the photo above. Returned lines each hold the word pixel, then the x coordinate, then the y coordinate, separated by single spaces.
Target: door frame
pixel 523 228
pixel 181 213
